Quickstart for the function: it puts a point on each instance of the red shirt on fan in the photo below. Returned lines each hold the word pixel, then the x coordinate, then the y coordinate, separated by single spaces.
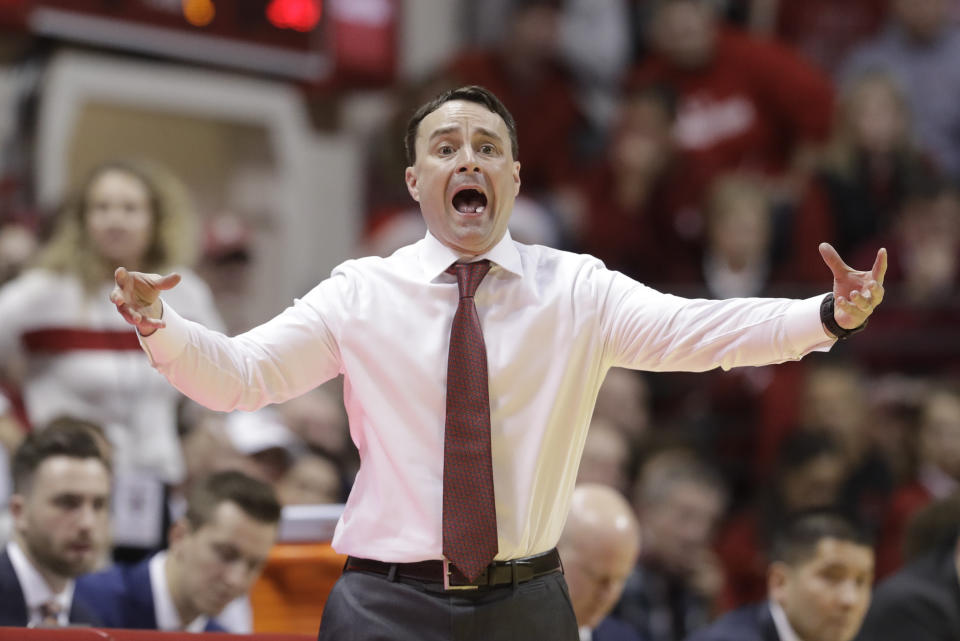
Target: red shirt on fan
pixel 749 108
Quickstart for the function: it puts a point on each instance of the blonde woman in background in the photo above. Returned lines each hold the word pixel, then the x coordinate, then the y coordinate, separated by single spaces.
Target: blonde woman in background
pixel 76 358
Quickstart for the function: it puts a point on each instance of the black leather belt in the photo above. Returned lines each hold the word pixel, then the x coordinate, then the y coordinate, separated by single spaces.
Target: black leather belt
pixel 442 572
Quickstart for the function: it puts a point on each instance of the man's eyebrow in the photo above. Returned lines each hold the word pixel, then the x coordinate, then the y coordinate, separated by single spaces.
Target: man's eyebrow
pixel 483 131
pixel 443 131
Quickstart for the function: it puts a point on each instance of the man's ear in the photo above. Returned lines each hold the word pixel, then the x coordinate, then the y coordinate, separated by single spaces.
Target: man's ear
pixel 516 177
pixel 16 505
pixel 178 531
pixel 778 575
pixel 411 178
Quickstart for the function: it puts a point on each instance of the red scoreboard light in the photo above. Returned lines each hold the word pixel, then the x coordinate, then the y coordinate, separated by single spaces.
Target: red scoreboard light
pixel 299 15
pixel 319 42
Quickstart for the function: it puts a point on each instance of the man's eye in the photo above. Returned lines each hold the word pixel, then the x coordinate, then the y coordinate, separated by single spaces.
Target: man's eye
pixel 445 150
pixel 487 149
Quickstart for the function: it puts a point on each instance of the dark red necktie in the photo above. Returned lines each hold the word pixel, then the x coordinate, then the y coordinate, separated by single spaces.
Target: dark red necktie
pixel 469 510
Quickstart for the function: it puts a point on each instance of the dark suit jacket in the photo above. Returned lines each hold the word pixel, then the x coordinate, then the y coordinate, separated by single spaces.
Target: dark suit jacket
pixel 612 629
pixel 749 623
pixel 921 602
pixel 13 607
pixel 122 597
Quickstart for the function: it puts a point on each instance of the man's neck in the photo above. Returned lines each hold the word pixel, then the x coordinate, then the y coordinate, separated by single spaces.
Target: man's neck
pixel 173 573
pixel 56 582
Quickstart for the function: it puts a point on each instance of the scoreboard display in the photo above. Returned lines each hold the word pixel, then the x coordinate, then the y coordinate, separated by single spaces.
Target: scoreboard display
pixel 313 41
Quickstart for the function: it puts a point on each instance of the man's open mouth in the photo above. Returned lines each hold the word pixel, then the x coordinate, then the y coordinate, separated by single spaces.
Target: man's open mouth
pixel 469 201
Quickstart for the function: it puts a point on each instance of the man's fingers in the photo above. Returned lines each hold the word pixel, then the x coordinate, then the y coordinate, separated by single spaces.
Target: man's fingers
pixel 833 260
pixel 860 301
pixel 879 266
pixel 167 282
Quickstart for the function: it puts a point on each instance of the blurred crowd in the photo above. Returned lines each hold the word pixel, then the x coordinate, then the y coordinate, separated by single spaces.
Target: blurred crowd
pixel 704 147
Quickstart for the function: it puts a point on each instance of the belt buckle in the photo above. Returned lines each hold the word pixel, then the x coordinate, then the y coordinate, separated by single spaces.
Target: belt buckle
pixel 446 580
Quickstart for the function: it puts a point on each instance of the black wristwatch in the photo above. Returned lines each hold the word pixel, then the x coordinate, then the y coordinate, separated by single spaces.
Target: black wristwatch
pixel 826 317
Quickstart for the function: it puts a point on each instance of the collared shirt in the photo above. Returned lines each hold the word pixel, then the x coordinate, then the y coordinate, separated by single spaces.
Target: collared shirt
pixel 553 322
pixel 784 629
pixel 36 592
pixel 168 619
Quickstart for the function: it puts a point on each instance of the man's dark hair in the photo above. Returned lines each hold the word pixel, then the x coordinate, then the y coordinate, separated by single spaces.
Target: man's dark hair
pixel 256 498
pixel 73 438
pixel 471 93
pixel 797 541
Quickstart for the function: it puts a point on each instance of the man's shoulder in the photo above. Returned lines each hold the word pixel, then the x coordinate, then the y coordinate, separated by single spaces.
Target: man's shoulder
pixel 749 623
pixel 13 608
pixel 117 594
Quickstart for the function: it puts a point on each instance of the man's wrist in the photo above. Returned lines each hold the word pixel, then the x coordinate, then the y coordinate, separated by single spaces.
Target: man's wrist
pixel 828 318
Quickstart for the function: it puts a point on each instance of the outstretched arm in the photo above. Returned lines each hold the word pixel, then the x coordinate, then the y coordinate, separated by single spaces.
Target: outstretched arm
pixel 137 297
pixel 856 293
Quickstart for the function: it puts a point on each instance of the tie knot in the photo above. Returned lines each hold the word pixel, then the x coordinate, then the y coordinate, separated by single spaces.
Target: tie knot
pixel 50 612
pixel 469 276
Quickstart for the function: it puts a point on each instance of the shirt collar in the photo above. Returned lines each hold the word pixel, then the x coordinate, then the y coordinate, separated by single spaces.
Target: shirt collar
pixel 168 619
pixel 784 630
pixel 36 592
pixel 435 257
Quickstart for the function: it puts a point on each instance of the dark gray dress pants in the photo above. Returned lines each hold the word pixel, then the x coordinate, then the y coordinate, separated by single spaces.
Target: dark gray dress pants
pixel 369 607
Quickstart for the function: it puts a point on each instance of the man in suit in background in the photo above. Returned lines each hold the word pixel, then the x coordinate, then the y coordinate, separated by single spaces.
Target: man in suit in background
pixel 599 546
pixel 216 553
pixel 819 586
pixel 921 602
pixel 60 509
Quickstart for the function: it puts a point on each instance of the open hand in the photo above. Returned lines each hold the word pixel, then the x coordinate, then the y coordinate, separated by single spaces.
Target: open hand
pixel 137 297
pixel 855 293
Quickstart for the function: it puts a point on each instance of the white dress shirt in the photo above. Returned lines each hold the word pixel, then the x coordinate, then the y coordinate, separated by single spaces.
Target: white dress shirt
pixel 784 629
pixel 168 619
pixel 553 322
pixel 36 591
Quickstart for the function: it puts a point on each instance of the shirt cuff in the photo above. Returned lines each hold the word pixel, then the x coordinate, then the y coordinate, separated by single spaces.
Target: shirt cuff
pixel 166 344
pixel 804 328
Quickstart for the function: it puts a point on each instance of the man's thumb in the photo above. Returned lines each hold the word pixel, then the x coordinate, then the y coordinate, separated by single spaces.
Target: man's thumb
pixel 168 282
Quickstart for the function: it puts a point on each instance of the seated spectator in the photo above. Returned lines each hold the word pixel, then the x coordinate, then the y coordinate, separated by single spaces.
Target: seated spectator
pixel 216 553
pixel 745 104
pixel 742 255
pixel 672 589
pixel 60 508
pixel 920 48
pixel 818 587
pixel 938 474
pixel 526 72
pixel 265 441
pixel 624 402
pixel 857 192
pixel 917 334
pixel 607 457
pixel 599 547
pixel 639 212
pixel 810 474
pixel 314 478
pixel 919 603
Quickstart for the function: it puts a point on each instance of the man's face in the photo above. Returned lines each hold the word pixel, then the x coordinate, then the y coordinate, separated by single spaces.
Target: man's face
pixel 465 177
pixel 595 570
pixel 923 19
pixel 679 528
pixel 220 560
pixel 826 597
pixel 684 33
pixel 63 519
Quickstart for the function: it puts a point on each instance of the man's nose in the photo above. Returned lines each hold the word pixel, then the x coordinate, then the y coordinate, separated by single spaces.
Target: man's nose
pixel 467 161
